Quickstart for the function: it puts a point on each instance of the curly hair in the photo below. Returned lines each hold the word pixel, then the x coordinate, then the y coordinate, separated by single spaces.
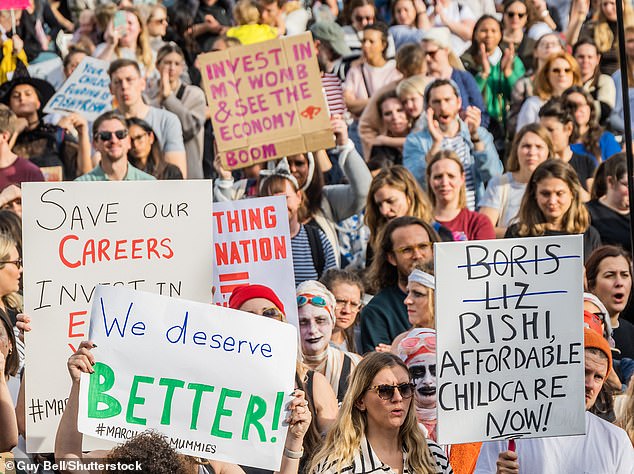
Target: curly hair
pixel 532 222
pixel 382 273
pixel 344 438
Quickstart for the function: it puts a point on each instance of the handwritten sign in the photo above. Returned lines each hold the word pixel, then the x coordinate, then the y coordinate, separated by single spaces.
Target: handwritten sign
pixel 510 342
pixel 146 235
pixel 214 380
pixel 266 100
pixel 86 91
pixel 251 243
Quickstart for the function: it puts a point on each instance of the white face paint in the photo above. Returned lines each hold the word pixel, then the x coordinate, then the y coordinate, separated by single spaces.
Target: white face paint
pixel 422 370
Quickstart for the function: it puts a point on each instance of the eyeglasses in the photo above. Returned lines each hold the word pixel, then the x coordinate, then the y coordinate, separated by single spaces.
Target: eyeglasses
pixel 273 313
pixel 159 20
pixel 409 250
pixel 355 305
pixel 386 392
pixel 315 300
pixel 432 54
pixel 17 263
pixel 516 14
pixel 559 71
pixel 107 136
pixel 138 137
pixel 359 18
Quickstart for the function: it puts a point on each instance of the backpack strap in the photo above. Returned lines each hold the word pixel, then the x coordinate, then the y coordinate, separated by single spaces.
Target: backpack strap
pixel 343 378
pixel 180 92
pixel 316 249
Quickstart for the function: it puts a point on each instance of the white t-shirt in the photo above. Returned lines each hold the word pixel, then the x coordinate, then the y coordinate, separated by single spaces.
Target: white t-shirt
pixel 514 194
pixel 604 449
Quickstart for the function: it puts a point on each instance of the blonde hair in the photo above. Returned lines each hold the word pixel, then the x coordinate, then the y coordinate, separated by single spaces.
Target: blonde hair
pixel 543 87
pixel 11 300
pixel 452 156
pixel 142 51
pixel 625 415
pixel 603 36
pixel 344 438
pixel 413 85
pixel 513 163
pixel 246 13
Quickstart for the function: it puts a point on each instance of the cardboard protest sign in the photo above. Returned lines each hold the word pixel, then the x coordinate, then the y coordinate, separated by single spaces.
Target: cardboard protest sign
pixel 14 4
pixel 147 235
pixel 266 100
pixel 214 380
pixel 252 243
pixel 86 91
pixel 510 341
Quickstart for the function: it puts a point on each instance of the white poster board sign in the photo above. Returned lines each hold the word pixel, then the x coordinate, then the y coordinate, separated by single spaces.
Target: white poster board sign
pixel 213 380
pixel 252 244
pixel 509 320
pixel 86 91
pixel 146 235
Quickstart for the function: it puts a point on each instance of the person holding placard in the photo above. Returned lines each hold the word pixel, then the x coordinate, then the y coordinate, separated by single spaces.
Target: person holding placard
pixel 377 429
pixel 322 402
pixel 501 202
pixel 604 448
pixel 312 252
pixel 112 141
pixel 552 206
pixel 403 243
pixel 448 196
pixel 9 366
pixel 151 449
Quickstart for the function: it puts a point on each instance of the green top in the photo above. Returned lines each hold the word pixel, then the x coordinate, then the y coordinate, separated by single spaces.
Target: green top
pixel 133 174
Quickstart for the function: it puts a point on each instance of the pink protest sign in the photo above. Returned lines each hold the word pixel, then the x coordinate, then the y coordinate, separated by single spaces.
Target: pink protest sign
pixel 14 4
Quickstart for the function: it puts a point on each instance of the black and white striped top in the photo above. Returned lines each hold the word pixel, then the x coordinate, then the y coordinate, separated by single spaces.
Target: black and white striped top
pixel 303 260
pixel 367 462
pixel 460 146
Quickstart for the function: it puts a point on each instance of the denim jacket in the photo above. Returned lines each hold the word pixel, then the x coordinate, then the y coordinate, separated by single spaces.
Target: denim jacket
pixel 486 164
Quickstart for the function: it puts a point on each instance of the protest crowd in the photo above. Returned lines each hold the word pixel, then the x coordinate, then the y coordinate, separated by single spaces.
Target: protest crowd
pixel 453 121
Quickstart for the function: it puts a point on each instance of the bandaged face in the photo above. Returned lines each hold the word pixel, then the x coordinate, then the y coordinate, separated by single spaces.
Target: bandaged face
pixel 422 369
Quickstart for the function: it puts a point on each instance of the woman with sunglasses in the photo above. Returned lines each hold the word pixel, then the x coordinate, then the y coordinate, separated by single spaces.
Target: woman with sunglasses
pixel 377 428
pixel 560 71
pixel 514 21
pixel 316 308
pixel 322 403
pixel 145 151
pixel 447 193
pixel 157 26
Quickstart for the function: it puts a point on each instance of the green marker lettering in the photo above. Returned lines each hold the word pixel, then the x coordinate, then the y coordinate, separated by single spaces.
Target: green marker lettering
pixel 222 411
pixel 134 400
pixel 255 412
pixel 171 384
pixel 96 393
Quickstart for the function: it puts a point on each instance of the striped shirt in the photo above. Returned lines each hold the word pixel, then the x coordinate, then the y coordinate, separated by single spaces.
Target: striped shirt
pixel 463 151
pixel 334 93
pixel 367 462
pixel 303 259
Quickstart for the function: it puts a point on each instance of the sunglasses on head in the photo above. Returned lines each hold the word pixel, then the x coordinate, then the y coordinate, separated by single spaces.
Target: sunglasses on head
pixel 386 392
pixel 107 136
pixel 314 300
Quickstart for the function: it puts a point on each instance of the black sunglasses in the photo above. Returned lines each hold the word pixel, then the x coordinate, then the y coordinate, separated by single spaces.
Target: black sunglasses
pixel 386 392
pixel 516 14
pixel 107 136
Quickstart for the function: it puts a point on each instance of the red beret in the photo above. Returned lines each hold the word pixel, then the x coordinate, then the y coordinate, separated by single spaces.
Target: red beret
pixel 245 293
pixel 591 339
